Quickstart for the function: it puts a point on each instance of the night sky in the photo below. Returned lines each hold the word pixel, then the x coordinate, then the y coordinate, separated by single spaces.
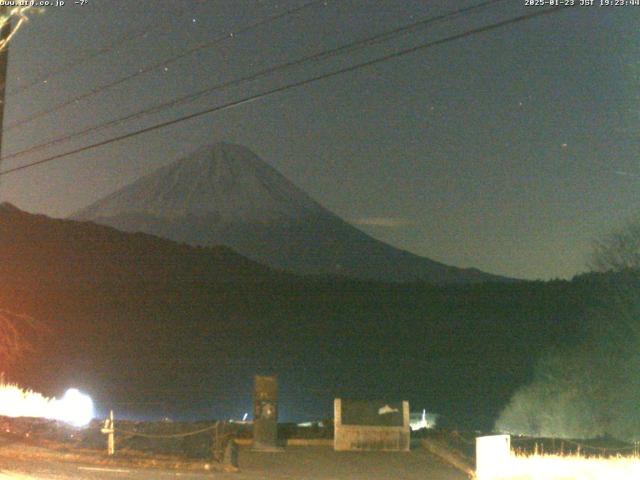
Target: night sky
pixel 509 150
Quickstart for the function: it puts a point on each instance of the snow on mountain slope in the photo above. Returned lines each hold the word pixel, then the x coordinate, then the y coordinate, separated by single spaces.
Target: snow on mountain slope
pixel 228 181
pixel 226 195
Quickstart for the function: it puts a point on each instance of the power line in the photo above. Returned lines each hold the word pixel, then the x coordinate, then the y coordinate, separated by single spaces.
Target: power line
pixel 125 38
pixel 318 56
pixel 283 88
pixel 163 63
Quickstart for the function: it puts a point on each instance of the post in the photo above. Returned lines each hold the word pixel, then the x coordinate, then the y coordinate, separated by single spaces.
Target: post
pixel 5 31
pixel 110 432
pixel 230 455
pixel 265 414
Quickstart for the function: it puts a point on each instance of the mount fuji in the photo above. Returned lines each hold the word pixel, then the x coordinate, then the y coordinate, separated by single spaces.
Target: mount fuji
pixel 224 194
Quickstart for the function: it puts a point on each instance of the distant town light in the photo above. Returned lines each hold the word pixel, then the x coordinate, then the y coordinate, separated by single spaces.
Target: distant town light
pixel 418 421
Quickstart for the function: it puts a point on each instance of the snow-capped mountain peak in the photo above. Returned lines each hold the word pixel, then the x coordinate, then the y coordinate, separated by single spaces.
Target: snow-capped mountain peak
pixel 226 195
pixel 225 181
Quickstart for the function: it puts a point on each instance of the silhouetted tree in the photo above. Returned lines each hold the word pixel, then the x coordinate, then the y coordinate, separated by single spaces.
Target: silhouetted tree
pixel 592 389
pixel 619 250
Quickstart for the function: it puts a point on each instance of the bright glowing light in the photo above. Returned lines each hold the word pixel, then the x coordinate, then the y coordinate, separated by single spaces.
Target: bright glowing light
pixel 569 467
pixel 418 421
pixel 19 13
pixel 496 461
pixel 74 407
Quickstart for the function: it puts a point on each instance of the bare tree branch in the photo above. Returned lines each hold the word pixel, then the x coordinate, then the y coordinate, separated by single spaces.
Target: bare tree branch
pixel 619 250
pixel 17 332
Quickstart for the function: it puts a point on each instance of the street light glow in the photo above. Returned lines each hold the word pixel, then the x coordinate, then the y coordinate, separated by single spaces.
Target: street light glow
pixel 74 408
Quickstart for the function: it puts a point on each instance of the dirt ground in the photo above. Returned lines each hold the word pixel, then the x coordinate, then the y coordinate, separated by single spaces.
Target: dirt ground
pixel 322 463
pixel 41 450
pixel 293 463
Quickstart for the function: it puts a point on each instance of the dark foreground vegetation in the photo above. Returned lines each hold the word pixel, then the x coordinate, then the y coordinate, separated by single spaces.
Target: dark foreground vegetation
pixel 149 327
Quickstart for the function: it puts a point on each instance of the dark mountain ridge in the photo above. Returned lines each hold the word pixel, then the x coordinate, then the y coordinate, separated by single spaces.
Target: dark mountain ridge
pixel 154 328
pixel 68 250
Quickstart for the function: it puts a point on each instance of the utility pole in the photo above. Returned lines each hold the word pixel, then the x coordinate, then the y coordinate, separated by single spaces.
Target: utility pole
pixel 5 32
